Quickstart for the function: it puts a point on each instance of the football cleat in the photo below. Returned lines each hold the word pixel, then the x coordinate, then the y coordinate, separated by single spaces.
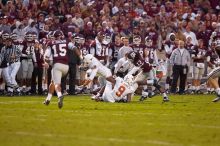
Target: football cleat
pixel 46 102
pixel 216 99
pixel 60 102
pixel 143 98
pixel 165 99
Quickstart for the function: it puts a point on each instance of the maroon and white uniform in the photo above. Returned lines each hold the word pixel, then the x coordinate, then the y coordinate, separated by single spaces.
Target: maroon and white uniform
pixel 27 58
pixel 141 65
pixel 84 49
pixel 212 58
pixel 99 51
pixel 139 49
pixel 58 51
pixel 113 51
pixel 198 56
pixel 152 55
pixel 113 54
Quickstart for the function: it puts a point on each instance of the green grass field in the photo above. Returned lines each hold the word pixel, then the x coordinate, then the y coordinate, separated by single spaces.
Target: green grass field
pixel 184 121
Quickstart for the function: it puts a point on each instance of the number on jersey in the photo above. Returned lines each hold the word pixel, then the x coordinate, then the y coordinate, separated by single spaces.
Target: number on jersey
pixel 59 50
pixel 120 91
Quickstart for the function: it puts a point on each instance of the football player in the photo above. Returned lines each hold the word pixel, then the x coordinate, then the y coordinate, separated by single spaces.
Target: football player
pixel 28 60
pixel 215 73
pixel 120 90
pixel 58 50
pixel 146 75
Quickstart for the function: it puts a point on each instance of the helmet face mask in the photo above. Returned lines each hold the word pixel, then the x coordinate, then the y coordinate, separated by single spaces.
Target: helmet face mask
pixel 79 40
pixel 148 42
pixel 87 60
pixel 107 39
pixel 29 36
pixel 14 36
pixel 137 40
pixel 5 36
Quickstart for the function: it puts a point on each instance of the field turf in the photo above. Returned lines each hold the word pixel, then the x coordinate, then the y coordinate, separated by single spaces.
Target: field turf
pixel 185 121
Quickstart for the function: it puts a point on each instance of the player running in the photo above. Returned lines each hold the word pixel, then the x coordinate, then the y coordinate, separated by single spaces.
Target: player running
pixel 58 51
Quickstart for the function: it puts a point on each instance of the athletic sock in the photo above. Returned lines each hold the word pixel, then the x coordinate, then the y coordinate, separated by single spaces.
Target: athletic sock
pixel 218 91
pixel 49 96
pixel 59 94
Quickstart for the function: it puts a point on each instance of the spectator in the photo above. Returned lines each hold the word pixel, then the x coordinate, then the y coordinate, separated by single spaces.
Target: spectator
pixel 19 31
pixel 191 34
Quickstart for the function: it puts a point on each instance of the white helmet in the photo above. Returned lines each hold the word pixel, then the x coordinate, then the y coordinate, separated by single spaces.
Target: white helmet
pixel 129 79
pixel 148 41
pixel 107 39
pixel 87 60
pixel 136 40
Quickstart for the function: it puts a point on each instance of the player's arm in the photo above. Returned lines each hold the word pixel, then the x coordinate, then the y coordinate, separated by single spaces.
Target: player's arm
pixel 47 56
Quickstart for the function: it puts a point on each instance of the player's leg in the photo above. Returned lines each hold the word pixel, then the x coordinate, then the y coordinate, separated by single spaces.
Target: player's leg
pixel 15 67
pixel 29 76
pixel 40 79
pixel 168 78
pixel 7 78
pixel 24 65
pixel 50 93
pixel 195 78
pixel 59 71
pixel 106 96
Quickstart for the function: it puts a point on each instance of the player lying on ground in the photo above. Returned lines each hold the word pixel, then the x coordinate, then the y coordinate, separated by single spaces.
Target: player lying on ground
pixel 119 90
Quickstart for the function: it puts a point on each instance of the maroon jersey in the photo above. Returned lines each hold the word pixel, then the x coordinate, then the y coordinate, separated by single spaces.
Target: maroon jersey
pixel 115 48
pixel 139 49
pixel 28 49
pixel 39 57
pixel 200 53
pixel 99 51
pixel 151 54
pixel 213 56
pixel 169 46
pixel 84 49
pixel 138 61
pixel 59 51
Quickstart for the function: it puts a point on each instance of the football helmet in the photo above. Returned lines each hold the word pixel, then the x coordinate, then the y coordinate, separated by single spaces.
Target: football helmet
pixel 137 40
pixel 34 35
pixel 148 41
pixel 5 35
pixel 28 36
pixel 131 56
pixel 129 79
pixel 79 39
pixel 14 36
pixel 87 60
pixel 172 37
pixel 50 35
pixel 58 33
pixel 107 39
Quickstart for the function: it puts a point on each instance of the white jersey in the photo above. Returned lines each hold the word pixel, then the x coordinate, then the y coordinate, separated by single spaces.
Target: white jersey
pixel 97 67
pixel 120 90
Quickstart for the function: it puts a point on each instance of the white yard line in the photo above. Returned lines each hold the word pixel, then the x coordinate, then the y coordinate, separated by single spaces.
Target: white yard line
pixel 110 139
